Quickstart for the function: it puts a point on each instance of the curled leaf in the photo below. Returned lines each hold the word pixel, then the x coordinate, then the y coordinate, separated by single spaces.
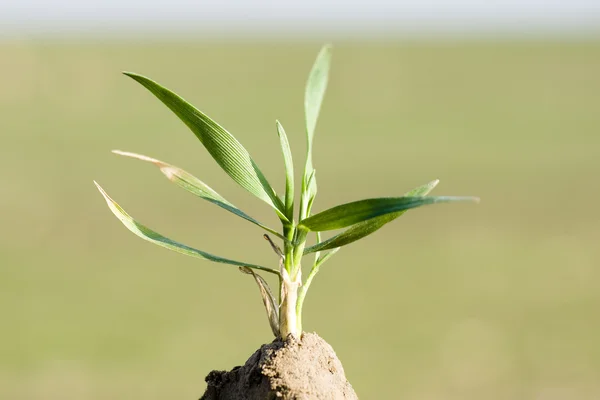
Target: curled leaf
pixel 268 300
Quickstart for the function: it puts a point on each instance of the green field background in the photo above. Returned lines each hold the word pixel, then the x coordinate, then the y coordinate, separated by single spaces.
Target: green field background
pixel 499 300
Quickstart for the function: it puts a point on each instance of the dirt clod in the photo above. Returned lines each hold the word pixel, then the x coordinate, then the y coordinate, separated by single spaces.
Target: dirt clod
pixel 305 369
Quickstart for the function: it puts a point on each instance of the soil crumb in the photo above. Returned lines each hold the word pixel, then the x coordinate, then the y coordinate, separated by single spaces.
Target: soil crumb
pixel 305 369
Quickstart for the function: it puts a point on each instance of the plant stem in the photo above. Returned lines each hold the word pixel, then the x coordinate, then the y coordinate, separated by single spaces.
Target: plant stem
pixel 289 231
pixel 288 322
pixel 300 239
pixel 289 283
pixel 302 293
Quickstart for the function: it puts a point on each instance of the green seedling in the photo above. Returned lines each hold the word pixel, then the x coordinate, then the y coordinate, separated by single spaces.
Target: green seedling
pixel 357 219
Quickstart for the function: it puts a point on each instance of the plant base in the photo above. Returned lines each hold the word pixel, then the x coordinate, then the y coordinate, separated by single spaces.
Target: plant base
pixel 297 369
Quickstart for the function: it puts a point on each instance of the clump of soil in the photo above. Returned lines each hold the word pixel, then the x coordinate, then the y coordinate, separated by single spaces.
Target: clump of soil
pixel 292 370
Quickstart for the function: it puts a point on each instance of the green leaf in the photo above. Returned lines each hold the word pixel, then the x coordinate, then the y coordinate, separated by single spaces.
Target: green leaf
pixel 313 98
pixel 158 239
pixel 268 300
pixel 365 228
pixel 358 211
pixel 289 171
pixel 195 186
pixel 222 146
pixel 315 91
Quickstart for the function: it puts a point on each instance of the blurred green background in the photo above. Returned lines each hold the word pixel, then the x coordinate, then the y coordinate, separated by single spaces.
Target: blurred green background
pixel 498 300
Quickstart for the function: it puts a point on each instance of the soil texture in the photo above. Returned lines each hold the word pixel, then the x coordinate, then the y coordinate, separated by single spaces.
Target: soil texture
pixel 297 369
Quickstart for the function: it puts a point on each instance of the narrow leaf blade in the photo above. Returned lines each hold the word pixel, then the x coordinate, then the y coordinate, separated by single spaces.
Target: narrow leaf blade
pixel 315 91
pixel 365 228
pixel 195 186
pixel 289 171
pixel 316 86
pixel 358 211
pixel 227 151
pixel 160 240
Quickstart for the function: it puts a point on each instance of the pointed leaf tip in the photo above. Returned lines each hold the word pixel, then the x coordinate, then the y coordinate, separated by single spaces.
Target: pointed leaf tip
pixel 137 156
pixel 100 189
pixel 316 86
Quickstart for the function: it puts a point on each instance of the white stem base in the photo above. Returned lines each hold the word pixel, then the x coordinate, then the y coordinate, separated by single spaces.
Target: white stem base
pixel 288 320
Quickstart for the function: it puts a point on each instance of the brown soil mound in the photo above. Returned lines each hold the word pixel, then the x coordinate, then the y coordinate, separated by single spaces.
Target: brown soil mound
pixel 292 370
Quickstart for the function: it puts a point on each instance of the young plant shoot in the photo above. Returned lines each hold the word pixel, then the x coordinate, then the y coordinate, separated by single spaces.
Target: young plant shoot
pixel 356 219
